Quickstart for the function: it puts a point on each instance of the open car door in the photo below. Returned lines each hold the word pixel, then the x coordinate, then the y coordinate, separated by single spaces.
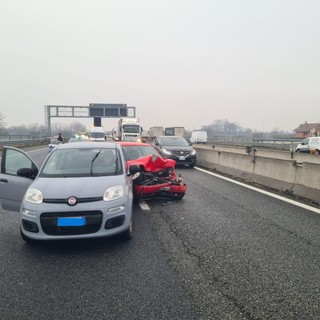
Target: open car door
pixel 17 173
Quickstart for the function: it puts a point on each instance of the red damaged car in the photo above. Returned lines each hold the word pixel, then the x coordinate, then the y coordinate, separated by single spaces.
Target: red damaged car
pixel 157 176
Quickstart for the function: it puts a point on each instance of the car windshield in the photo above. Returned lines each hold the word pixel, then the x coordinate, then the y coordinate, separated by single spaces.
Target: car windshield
pixel 131 128
pixel 135 152
pixel 175 142
pixel 78 139
pixel 130 138
pixel 82 162
pixel 97 134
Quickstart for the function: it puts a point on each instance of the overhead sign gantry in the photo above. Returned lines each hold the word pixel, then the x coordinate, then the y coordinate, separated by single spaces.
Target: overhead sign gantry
pixel 94 110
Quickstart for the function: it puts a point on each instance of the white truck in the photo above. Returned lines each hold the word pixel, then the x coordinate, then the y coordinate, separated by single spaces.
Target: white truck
pixel 97 134
pixel 155 132
pixel 129 129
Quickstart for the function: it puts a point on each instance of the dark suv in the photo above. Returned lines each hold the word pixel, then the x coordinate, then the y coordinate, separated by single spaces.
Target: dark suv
pixel 176 148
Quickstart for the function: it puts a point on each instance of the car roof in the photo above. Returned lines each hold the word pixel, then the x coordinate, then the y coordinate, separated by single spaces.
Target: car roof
pixel 171 137
pixel 132 143
pixel 87 145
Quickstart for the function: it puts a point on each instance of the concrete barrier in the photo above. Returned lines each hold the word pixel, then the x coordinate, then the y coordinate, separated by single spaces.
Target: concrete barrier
pixel 295 177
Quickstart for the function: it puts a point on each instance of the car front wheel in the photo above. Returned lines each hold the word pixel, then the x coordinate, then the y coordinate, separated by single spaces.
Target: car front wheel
pixel 25 238
pixel 127 234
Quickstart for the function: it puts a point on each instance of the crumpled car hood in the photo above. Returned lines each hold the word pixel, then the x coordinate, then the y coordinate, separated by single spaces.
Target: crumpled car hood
pixel 153 163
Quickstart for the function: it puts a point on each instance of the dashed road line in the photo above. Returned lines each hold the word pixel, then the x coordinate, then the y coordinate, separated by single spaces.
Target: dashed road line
pixel 144 206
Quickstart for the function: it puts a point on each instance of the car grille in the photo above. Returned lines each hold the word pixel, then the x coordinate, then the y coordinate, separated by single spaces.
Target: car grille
pixel 181 153
pixel 79 200
pixel 49 224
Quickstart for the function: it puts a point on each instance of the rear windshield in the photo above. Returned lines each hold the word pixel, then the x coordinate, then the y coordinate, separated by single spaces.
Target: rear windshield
pixel 131 128
pixel 136 152
pixel 175 142
pixel 82 162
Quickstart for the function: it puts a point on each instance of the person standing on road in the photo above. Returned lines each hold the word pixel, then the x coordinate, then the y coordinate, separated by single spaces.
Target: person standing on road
pixel 60 138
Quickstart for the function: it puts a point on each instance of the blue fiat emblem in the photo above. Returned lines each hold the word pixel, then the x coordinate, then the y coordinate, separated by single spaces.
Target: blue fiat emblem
pixel 72 201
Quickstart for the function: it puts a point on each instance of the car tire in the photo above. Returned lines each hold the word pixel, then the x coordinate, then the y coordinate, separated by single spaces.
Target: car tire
pixel 127 234
pixel 25 238
pixel 298 150
pixel 136 198
pixel 192 165
pixel 180 196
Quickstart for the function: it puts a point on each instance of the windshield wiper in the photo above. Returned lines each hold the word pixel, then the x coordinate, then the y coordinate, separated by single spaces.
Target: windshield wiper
pixel 94 158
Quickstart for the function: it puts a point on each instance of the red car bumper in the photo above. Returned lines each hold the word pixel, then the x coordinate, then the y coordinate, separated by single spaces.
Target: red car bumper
pixel 164 190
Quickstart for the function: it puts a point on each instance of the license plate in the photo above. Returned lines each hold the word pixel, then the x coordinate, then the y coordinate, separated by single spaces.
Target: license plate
pixel 165 189
pixel 71 222
pixel 182 158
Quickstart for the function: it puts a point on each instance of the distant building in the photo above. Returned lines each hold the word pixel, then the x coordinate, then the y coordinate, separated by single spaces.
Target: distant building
pixel 306 130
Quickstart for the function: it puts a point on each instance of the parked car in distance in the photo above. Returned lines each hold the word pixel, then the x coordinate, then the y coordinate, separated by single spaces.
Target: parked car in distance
pixel 309 145
pixel 176 148
pixel 83 190
pixel 131 139
pixel 74 138
pixel 199 137
pixel 79 138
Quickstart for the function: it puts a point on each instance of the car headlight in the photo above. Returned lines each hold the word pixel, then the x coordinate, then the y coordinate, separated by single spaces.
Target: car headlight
pixel 113 193
pixel 165 151
pixel 34 196
pixel 193 152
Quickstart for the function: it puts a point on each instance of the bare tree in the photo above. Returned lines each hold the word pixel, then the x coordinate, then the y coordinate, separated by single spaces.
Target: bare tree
pixel 3 129
pixel 224 127
pixel 77 127
pixel 19 130
pixel 37 130
pixel 68 130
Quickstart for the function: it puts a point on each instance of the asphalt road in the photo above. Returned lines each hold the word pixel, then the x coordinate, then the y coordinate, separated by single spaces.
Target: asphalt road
pixel 223 252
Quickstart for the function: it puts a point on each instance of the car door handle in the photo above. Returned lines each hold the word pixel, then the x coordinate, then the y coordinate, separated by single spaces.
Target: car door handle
pixel 3 180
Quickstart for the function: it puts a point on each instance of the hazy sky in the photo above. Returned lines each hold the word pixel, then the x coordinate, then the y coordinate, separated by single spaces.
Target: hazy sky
pixel 179 62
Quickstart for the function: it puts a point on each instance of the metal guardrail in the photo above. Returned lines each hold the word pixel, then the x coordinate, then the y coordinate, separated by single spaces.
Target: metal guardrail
pixel 283 144
pixel 279 144
pixel 21 137
pixel 17 140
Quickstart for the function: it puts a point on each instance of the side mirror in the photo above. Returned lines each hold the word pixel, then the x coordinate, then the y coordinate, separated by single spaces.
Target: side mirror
pixel 27 173
pixel 133 169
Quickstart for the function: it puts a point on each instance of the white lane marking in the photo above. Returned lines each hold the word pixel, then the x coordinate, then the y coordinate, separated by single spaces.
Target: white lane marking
pixel 32 151
pixel 37 150
pixel 298 204
pixel 144 206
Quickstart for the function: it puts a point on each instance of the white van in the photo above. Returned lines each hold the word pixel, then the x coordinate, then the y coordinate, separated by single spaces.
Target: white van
pixel 309 145
pixel 199 137
pixel 97 134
